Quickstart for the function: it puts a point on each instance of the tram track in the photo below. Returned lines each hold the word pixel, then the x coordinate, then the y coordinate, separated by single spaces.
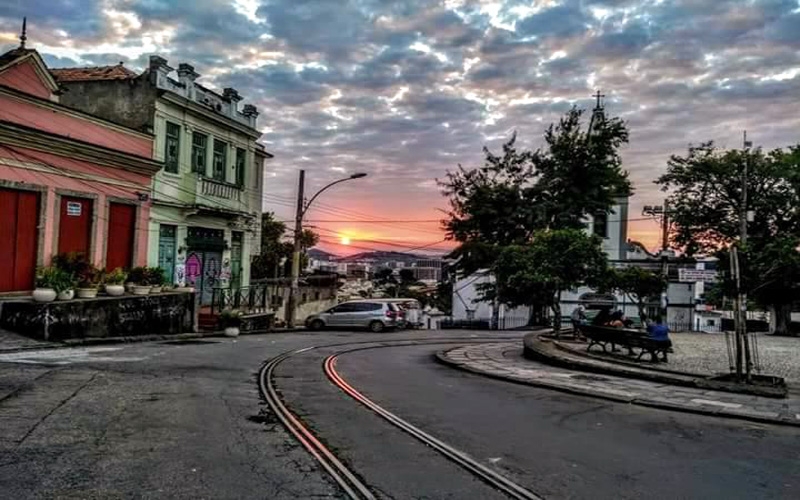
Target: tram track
pixel 352 485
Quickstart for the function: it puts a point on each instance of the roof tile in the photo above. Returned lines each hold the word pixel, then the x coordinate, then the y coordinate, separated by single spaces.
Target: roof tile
pixel 117 72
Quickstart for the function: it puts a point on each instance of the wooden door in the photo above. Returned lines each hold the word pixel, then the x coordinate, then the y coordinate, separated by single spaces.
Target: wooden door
pixel 120 236
pixel 19 216
pixel 75 225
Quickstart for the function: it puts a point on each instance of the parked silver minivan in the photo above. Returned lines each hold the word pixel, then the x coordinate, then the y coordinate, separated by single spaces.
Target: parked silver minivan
pixel 375 316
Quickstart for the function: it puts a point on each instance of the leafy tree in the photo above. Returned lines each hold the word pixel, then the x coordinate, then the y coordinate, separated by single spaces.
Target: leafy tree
pixel 384 276
pixel 705 203
pixel 580 170
pixel 553 261
pixel 407 277
pixel 276 245
pixel 640 285
pixel 514 194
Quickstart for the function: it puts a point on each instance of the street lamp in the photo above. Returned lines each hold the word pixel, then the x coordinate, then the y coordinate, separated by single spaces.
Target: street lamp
pixel 302 208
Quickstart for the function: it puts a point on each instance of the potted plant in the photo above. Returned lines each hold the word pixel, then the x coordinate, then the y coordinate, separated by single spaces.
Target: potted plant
pixel 114 282
pixel 138 278
pixel 88 278
pixel 231 321
pixel 48 280
pixel 155 278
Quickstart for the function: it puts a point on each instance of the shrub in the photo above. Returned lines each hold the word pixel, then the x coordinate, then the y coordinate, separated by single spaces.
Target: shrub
pixel 55 278
pixel 230 318
pixel 138 275
pixel 155 276
pixel 115 277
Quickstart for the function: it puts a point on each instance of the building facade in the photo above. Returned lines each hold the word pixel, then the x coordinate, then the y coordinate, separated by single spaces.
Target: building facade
pixel 69 181
pixel 207 198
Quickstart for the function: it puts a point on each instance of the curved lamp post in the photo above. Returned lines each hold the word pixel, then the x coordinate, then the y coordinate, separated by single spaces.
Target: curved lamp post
pixel 302 208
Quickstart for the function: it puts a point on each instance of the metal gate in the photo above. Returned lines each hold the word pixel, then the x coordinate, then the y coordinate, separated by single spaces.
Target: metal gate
pixel 166 251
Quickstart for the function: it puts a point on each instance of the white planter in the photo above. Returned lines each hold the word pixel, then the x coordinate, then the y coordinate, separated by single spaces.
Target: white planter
pixel 155 289
pixel 115 290
pixel 44 295
pixel 66 295
pixel 87 293
pixel 141 290
pixel 232 331
pixel 129 286
pixel 184 289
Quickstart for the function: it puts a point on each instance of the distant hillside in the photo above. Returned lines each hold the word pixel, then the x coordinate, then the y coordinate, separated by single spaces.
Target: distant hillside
pixel 380 256
pixel 316 253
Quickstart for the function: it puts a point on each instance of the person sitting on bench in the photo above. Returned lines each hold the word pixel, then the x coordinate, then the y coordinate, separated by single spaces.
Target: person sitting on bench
pixel 616 320
pixel 658 330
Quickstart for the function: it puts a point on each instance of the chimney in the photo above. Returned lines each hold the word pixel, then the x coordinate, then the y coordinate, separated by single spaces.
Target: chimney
pixel 251 112
pixel 232 95
pixel 159 71
pixel 187 76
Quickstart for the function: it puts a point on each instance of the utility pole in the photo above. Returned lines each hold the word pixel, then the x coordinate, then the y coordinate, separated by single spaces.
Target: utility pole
pixel 298 231
pixel 665 259
pixel 741 295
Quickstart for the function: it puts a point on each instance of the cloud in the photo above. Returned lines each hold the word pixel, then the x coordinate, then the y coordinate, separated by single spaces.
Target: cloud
pixel 406 89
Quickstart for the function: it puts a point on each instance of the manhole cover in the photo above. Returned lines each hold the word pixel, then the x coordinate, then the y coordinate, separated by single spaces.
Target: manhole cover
pixel 190 341
pixel 594 378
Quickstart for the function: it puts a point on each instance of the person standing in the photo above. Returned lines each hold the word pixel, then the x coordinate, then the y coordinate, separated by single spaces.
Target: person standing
pixel 578 316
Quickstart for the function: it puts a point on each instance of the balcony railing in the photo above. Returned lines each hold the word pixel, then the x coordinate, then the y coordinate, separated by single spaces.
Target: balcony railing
pixel 220 189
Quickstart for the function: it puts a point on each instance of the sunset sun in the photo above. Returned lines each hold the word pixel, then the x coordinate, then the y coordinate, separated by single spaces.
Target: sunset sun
pixel 345 240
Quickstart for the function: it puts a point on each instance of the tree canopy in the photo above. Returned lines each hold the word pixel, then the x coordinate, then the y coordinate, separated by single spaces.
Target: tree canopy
pixel 552 262
pixel 639 285
pixel 706 196
pixel 275 247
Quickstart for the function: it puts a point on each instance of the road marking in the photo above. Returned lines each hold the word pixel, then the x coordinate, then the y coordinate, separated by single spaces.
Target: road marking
pixel 67 356
pixel 716 403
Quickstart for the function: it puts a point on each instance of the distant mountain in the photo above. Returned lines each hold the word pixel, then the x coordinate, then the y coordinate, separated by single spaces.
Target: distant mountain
pixel 382 257
pixel 316 253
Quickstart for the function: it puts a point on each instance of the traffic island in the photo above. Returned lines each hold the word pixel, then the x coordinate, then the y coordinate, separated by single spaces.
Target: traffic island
pixel 505 361
pixel 574 356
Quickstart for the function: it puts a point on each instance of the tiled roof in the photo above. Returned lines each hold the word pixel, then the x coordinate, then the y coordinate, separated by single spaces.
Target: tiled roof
pixel 117 72
pixel 12 55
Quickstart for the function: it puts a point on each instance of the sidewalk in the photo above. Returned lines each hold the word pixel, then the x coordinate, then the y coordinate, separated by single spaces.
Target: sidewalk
pixel 505 361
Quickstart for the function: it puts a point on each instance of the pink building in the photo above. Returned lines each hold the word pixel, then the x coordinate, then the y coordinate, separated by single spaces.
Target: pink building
pixel 69 181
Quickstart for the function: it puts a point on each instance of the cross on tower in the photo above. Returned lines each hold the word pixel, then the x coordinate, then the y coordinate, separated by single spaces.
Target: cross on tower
pixel 599 96
pixel 23 36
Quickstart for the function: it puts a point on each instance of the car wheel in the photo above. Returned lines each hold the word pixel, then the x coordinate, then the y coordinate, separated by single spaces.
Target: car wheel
pixel 317 324
pixel 376 327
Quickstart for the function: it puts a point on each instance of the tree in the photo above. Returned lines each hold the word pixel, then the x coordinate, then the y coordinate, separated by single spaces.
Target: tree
pixel 407 277
pixel 705 209
pixel 275 247
pixel 384 276
pixel 514 194
pixel 640 285
pixel 553 261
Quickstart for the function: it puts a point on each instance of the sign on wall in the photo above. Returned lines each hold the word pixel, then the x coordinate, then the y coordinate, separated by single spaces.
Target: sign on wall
pixel 694 275
pixel 74 208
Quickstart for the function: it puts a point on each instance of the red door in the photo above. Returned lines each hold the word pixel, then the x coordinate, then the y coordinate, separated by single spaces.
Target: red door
pixel 75 225
pixel 121 224
pixel 19 216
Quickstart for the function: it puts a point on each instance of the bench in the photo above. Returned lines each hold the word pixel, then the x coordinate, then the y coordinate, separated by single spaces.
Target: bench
pixel 631 339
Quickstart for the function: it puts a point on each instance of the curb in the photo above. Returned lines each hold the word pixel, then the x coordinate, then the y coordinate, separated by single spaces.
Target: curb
pixel 441 357
pixel 68 343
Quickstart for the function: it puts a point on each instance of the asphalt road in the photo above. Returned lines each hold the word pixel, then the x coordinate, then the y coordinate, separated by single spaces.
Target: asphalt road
pixel 182 420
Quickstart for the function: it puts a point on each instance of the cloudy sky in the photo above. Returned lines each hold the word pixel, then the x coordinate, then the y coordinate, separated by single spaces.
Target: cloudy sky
pixel 406 89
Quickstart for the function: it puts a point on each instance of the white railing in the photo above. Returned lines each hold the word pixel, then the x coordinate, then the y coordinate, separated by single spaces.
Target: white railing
pixel 218 189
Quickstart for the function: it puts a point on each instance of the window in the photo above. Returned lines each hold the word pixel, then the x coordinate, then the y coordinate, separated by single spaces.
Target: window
pixel 220 159
pixel 600 225
pixel 241 154
pixel 172 148
pixel 368 306
pixel 199 148
pixel 343 308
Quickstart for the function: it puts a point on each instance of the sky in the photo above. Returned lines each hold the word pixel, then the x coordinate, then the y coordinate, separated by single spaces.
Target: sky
pixel 405 90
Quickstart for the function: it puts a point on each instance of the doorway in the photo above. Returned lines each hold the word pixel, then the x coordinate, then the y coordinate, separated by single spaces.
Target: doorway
pixel 75 225
pixel 19 220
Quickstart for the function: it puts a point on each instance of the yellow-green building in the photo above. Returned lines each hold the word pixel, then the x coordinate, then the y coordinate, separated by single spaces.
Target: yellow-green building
pixel 206 201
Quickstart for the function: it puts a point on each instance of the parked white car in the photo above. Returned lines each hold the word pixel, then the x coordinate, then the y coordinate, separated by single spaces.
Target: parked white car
pixel 371 314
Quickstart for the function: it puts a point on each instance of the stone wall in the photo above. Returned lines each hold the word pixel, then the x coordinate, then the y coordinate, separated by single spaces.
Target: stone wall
pixel 161 314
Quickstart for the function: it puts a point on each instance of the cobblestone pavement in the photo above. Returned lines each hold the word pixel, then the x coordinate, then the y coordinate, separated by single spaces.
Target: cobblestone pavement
pixel 706 353
pixel 505 360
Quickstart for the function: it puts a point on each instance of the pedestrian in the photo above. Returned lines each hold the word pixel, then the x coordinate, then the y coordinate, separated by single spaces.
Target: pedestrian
pixel 659 332
pixel 578 316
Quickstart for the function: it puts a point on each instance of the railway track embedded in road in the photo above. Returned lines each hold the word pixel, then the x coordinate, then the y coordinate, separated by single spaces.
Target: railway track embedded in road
pixel 348 480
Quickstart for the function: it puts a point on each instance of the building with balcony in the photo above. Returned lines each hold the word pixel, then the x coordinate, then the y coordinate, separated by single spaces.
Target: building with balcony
pixel 69 181
pixel 206 201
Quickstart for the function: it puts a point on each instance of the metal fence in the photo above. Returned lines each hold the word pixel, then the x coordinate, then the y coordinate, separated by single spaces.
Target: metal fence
pixel 505 323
